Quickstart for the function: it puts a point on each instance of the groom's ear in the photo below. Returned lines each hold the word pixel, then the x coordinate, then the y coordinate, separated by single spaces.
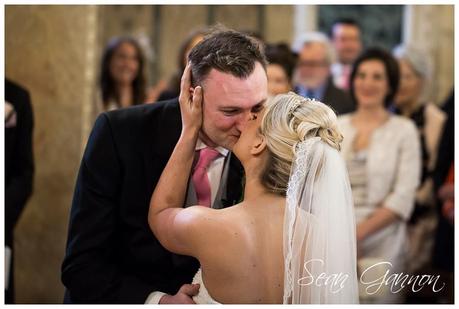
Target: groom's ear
pixel 258 146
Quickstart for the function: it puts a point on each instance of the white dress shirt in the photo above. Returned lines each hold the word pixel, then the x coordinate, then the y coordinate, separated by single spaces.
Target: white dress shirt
pixel 341 75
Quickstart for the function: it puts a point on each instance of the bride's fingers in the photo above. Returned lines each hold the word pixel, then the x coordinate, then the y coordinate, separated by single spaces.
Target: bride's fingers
pixel 185 84
pixel 197 98
pixel 190 289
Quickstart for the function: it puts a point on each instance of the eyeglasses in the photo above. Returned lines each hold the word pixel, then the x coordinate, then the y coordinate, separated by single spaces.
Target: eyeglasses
pixel 313 64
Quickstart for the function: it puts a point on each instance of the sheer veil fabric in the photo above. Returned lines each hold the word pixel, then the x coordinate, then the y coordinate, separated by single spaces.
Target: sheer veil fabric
pixel 319 229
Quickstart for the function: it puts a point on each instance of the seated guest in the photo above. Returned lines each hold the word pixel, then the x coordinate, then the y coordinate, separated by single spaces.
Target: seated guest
pixel 429 119
pixel 382 152
pixel 281 62
pixel 313 78
pixel 346 39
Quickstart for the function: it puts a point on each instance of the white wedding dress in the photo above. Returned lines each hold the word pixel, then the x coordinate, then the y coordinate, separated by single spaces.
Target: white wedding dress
pixel 203 296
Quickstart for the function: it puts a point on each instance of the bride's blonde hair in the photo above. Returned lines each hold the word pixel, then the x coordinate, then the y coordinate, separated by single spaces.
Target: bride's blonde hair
pixel 288 120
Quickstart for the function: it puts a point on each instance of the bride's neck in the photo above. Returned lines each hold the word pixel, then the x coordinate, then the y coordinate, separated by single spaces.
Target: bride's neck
pixel 254 190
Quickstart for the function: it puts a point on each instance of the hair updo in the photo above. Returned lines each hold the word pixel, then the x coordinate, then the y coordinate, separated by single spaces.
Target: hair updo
pixel 290 119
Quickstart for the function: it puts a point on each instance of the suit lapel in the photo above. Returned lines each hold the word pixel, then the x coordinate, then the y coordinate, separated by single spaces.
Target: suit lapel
pixel 233 187
pixel 164 131
pixel 221 193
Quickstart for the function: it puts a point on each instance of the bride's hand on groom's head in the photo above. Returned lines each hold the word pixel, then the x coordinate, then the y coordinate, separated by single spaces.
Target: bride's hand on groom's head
pixel 190 103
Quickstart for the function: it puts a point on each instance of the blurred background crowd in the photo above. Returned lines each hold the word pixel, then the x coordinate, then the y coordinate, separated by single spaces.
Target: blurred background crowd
pixel 387 71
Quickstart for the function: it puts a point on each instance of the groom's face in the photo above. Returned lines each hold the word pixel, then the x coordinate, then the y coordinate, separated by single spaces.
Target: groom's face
pixel 229 102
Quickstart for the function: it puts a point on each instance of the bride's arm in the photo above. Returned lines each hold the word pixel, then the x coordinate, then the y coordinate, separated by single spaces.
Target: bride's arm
pixel 169 195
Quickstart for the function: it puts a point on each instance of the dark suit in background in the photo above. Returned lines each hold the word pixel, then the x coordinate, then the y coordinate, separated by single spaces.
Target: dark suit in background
pixel 19 166
pixel 112 255
pixel 339 100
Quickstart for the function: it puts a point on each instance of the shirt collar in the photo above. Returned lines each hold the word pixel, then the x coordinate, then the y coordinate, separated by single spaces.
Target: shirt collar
pixel 200 145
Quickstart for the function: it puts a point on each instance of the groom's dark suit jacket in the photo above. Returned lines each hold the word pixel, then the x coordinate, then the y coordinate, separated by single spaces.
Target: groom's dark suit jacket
pixel 112 255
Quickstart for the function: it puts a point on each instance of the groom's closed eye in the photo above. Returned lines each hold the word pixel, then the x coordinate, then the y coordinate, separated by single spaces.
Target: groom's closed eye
pixel 231 111
pixel 258 108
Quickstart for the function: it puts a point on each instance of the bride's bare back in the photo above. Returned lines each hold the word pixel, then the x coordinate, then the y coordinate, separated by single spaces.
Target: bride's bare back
pixel 241 251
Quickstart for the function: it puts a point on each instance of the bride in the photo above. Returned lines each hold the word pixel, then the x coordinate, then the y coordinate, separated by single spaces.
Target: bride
pixel 292 239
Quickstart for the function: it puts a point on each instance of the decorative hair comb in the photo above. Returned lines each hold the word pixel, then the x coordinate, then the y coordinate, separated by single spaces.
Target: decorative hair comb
pixel 300 101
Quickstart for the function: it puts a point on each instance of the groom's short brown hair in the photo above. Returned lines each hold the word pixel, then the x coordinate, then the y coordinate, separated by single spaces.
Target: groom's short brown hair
pixel 227 51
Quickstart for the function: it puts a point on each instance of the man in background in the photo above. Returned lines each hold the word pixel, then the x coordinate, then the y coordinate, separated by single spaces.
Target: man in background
pixel 313 77
pixel 346 39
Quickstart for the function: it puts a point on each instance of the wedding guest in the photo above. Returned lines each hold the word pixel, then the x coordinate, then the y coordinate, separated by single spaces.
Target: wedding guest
pixel 173 87
pixel 313 78
pixel 346 38
pixel 281 63
pixel 19 169
pixel 122 77
pixel 429 119
pixel 382 152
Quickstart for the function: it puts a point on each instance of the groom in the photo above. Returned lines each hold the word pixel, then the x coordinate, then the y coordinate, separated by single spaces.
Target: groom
pixel 112 256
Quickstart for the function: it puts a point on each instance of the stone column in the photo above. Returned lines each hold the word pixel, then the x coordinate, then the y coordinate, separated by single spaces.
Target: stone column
pixel 177 22
pixel 431 29
pixel 306 19
pixel 279 23
pixel 50 51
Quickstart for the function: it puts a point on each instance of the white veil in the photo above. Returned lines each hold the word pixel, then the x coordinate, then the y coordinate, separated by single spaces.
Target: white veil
pixel 319 229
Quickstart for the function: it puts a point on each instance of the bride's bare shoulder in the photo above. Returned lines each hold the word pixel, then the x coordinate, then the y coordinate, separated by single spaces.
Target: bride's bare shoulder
pixel 197 226
pixel 200 216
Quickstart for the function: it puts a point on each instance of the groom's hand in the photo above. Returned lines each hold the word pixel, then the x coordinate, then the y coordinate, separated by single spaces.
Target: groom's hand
pixel 183 295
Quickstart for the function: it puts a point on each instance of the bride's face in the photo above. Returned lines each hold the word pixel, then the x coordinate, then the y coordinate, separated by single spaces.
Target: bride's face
pixel 250 139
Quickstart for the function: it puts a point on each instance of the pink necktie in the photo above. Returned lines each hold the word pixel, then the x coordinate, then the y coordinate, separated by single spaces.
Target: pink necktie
pixel 346 77
pixel 200 179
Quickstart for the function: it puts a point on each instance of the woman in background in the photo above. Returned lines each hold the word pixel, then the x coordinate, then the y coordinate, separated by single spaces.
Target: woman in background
pixel 122 77
pixel 281 63
pixel 429 119
pixel 382 153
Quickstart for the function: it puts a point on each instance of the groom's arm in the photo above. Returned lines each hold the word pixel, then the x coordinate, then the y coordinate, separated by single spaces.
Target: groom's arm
pixel 90 270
